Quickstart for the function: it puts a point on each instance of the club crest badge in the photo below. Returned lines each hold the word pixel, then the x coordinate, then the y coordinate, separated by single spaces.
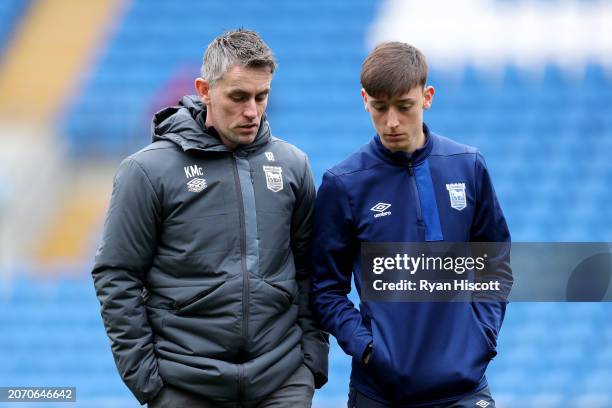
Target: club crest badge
pixel 456 191
pixel 274 178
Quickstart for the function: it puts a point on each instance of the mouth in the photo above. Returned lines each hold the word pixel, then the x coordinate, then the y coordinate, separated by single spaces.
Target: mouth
pixel 250 126
pixel 394 135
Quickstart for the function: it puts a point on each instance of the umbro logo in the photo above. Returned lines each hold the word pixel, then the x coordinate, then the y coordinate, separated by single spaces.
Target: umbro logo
pixel 196 185
pixel 483 403
pixel 381 210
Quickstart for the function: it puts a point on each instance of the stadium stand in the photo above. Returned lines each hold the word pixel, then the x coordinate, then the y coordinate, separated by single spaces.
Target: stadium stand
pixel 10 13
pixel 547 139
pixel 45 56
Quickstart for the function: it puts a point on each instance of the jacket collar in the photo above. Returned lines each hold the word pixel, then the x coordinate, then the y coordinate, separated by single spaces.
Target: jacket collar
pixel 185 125
pixel 403 158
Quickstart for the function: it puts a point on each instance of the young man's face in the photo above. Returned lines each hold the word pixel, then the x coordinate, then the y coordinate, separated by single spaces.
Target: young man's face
pixel 399 119
pixel 236 103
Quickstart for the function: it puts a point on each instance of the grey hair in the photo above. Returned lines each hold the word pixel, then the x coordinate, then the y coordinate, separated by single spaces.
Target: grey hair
pixel 242 47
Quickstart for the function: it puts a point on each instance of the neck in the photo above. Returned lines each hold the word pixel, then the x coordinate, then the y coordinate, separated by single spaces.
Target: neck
pixel 209 124
pixel 418 142
pixel 228 143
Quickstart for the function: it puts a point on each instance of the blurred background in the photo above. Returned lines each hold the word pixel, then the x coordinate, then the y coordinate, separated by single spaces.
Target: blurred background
pixel 529 82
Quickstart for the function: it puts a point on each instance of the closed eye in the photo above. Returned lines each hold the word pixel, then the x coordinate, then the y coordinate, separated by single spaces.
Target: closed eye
pixel 380 107
pixel 261 96
pixel 238 96
pixel 404 108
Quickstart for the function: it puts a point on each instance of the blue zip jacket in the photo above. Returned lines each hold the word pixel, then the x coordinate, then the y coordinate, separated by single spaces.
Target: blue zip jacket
pixel 423 353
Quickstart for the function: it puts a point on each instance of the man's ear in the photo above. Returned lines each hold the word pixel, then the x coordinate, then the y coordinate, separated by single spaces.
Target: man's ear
pixel 202 87
pixel 364 96
pixel 428 94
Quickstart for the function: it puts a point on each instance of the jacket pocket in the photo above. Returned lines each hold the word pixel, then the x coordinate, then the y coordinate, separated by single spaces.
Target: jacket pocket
pixel 377 364
pixel 484 332
pixel 287 289
pixel 193 304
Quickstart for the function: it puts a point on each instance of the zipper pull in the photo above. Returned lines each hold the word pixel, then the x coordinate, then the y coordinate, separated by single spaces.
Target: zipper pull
pixel 410 169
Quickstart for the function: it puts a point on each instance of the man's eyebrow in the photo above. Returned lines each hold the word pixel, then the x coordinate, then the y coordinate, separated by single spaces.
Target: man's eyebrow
pixel 242 91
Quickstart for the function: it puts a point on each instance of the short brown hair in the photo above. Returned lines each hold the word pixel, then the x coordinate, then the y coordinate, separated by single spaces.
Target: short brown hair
pixel 393 68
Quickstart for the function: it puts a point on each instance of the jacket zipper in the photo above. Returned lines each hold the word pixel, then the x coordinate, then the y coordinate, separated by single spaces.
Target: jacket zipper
pixel 240 381
pixel 415 189
pixel 245 275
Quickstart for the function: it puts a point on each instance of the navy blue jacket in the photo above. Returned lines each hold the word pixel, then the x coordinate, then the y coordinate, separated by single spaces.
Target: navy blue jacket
pixel 423 353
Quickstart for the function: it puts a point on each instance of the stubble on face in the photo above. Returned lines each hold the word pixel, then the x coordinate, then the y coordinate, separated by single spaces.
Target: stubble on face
pixel 236 103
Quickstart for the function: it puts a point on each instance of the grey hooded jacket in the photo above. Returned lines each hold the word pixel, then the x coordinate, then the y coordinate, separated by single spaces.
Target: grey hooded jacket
pixel 202 273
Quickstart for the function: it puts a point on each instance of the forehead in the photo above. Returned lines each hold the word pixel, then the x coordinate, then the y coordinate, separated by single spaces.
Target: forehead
pixel 411 95
pixel 246 79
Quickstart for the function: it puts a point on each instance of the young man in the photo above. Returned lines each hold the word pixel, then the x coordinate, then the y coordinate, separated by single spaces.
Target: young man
pixel 398 188
pixel 204 265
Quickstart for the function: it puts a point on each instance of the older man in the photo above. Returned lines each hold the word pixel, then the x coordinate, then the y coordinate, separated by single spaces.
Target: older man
pixel 203 268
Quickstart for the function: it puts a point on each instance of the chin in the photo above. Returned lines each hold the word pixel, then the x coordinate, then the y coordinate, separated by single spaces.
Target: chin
pixel 397 147
pixel 247 139
pixel 393 145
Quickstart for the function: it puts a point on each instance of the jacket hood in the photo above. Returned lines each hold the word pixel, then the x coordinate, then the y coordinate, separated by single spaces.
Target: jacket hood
pixel 185 125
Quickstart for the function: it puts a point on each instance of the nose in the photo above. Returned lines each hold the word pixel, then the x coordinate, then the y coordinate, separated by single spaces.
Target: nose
pixel 250 110
pixel 392 120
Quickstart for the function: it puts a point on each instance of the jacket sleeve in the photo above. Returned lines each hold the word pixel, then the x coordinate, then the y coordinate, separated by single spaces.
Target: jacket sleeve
pixel 335 248
pixel 489 225
pixel 123 258
pixel 315 343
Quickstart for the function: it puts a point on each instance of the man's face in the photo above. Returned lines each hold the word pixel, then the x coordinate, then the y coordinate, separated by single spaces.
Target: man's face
pixel 399 119
pixel 236 103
